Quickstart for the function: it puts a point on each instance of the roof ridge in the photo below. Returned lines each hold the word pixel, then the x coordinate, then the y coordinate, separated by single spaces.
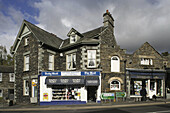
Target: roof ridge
pixel 42 29
pixel 93 29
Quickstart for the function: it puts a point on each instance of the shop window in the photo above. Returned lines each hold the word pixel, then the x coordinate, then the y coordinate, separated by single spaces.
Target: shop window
pixel 146 61
pixel 66 94
pixel 26 41
pixel 91 54
pixel 71 61
pixel 51 62
pixel 1 93
pixel 12 77
pixel 0 77
pixel 115 85
pixel 152 85
pixel 115 64
pixel 26 63
pixel 26 88
pixel 34 88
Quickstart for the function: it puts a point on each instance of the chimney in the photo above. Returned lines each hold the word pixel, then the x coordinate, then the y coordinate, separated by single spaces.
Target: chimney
pixel 108 20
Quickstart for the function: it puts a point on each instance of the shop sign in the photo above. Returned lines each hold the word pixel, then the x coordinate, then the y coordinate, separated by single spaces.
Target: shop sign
pixel 45 96
pixel 120 94
pixel 107 96
pixel 71 73
pixel 88 73
pixel 51 73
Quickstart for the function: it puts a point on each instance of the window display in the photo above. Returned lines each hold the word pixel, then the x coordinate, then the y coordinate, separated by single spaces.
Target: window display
pixel 66 94
pixel 137 87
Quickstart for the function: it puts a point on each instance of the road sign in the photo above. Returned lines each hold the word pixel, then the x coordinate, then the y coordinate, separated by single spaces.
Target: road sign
pixel 107 96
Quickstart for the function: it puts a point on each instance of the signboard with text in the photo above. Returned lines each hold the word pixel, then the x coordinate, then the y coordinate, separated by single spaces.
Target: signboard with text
pixel 120 94
pixel 107 96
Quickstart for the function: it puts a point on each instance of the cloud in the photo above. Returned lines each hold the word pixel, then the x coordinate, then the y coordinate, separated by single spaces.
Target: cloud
pixel 135 21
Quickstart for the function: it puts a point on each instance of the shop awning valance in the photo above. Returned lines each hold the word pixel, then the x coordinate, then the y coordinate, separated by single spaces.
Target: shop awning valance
pixel 64 80
pixel 92 81
pixel 73 80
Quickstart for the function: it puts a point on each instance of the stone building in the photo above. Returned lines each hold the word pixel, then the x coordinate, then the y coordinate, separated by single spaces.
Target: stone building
pixel 7 79
pixel 145 68
pixel 50 70
pixel 87 55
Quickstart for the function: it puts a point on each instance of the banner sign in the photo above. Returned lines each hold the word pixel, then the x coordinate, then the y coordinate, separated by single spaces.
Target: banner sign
pixel 71 73
pixel 120 94
pixel 107 95
pixel 86 73
pixel 50 73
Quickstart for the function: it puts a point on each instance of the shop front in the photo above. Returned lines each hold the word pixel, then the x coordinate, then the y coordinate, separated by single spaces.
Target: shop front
pixel 70 87
pixel 153 81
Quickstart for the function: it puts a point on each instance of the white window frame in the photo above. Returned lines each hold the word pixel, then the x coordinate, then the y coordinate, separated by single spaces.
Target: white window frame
pixel 25 87
pixel 0 77
pixel 91 58
pixel 146 61
pixel 26 62
pixel 26 41
pixel 111 85
pixel 1 93
pixel 71 61
pixel 115 64
pixel 51 62
pixel 73 39
pixel 11 79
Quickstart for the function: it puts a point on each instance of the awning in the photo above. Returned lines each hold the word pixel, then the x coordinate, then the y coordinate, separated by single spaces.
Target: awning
pixel 92 81
pixel 64 80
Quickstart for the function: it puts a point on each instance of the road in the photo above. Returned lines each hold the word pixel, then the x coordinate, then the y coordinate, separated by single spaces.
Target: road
pixel 164 108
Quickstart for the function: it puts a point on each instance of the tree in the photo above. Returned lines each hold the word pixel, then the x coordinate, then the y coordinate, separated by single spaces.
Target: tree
pixel 165 53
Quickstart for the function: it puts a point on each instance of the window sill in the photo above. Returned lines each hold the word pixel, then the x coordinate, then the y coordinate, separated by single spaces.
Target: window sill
pixel 26 71
pixel 71 69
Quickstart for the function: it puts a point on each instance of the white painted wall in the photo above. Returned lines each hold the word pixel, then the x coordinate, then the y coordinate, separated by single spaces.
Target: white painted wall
pixel 44 89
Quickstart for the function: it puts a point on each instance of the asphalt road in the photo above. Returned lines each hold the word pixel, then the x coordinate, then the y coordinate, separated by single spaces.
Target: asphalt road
pixel 165 108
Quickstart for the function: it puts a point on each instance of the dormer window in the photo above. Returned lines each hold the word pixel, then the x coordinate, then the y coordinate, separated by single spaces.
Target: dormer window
pixel 73 39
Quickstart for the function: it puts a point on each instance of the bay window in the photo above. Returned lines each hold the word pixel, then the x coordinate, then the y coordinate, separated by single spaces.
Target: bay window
pixel 71 61
pixel 51 62
pixel 91 55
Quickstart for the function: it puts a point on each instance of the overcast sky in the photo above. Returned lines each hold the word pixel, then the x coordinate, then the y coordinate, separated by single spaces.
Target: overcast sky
pixel 136 21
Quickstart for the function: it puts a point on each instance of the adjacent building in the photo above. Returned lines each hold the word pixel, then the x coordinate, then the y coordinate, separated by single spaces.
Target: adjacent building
pixel 50 70
pixel 7 79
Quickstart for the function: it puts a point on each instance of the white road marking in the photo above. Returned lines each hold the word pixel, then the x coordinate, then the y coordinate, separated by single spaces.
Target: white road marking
pixel 160 112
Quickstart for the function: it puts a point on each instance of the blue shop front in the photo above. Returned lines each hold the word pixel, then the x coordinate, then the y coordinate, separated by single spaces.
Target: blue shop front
pixel 69 87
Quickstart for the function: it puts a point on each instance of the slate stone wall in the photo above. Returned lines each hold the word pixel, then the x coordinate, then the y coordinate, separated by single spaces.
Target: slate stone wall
pixel 21 75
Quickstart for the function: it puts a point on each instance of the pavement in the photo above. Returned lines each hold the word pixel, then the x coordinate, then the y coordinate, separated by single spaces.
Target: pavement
pixel 35 107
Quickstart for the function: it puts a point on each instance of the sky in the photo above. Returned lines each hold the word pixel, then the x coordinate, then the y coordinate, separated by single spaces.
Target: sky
pixel 136 21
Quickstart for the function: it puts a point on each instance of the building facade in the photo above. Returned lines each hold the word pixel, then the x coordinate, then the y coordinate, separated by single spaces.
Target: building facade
pixel 50 70
pixel 7 79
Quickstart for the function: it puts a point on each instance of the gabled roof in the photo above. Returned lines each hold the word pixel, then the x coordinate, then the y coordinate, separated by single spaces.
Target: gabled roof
pixel 75 31
pixel 145 45
pixel 88 38
pixel 6 69
pixel 44 36
pixel 40 34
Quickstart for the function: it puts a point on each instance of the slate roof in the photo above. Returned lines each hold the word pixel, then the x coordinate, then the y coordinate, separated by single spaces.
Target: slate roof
pixel 88 38
pixel 6 69
pixel 44 36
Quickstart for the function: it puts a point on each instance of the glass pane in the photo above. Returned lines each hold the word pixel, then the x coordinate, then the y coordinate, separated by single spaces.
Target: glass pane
pixel 114 58
pixel 91 63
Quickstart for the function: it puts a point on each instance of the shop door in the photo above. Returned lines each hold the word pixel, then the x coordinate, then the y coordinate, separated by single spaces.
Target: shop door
pixel 153 89
pixel 91 94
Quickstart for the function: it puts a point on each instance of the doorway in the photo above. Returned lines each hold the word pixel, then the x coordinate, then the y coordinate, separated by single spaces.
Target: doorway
pixel 91 93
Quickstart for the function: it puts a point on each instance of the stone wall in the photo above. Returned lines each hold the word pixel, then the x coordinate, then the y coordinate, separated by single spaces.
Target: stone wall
pixel 32 48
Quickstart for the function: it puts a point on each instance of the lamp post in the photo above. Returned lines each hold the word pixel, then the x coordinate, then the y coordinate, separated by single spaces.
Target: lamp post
pixel 125 74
